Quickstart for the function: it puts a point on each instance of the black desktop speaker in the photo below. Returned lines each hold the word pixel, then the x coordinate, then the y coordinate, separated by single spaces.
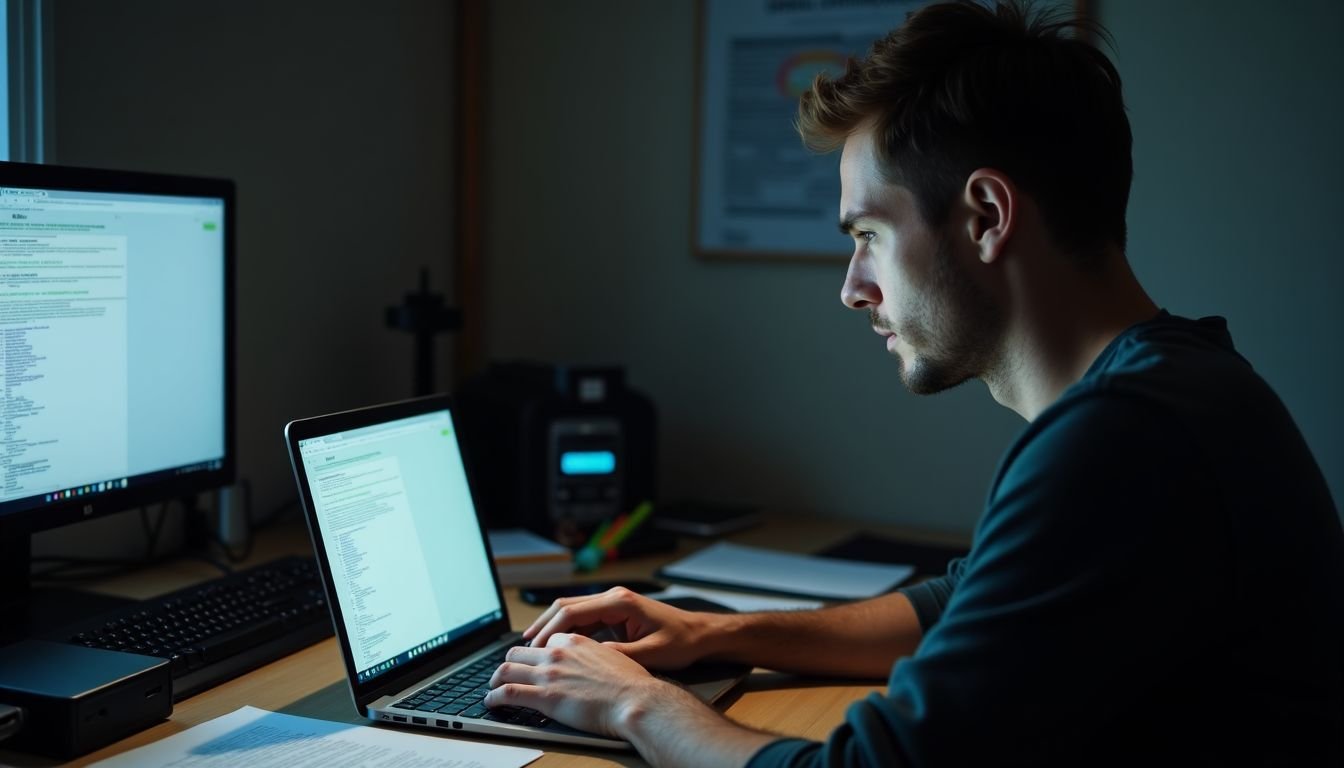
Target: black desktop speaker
pixel 556 449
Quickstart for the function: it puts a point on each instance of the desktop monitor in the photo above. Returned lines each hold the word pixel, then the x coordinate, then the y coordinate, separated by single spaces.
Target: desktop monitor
pixel 116 348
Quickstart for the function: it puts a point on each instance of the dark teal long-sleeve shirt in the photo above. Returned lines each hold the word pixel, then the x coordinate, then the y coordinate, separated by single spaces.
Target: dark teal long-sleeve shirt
pixel 1157 578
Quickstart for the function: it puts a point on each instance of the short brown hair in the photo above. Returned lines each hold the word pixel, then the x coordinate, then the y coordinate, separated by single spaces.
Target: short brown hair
pixel 962 86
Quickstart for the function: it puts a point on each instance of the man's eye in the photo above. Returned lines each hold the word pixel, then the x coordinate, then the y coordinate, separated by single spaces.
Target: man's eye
pixel 867 237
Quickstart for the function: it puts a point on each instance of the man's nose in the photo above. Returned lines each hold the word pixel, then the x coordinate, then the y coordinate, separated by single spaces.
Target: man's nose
pixel 859 290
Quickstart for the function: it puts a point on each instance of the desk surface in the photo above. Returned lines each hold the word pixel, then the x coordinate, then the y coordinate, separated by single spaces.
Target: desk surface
pixel 311 683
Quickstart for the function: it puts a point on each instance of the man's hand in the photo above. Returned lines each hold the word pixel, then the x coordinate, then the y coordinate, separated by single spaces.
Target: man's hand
pixel 589 685
pixel 575 680
pixel 657 635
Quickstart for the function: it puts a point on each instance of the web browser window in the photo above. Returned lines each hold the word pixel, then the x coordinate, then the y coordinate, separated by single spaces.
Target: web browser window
pixel 112 334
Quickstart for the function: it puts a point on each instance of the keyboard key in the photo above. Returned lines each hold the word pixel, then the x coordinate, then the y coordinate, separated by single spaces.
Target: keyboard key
pixel 476 711
pixel 452 709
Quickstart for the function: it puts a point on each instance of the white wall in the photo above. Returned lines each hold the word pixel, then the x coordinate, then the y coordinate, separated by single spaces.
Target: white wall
pixel 334 118
pixel 1237 113
pixel 769 390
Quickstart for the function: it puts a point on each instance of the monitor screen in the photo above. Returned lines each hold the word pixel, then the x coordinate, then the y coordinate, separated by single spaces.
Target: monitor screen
pixel 115 336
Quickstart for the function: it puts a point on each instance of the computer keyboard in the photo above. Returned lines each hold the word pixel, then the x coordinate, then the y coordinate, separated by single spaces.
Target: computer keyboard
pixel 216 631
pixel 463 692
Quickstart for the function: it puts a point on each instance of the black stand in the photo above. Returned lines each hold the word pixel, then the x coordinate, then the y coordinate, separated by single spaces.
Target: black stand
pixel 31 611
pixel 424 315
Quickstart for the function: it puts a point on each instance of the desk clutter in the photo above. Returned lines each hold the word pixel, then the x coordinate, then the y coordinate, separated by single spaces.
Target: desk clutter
pixel 863 565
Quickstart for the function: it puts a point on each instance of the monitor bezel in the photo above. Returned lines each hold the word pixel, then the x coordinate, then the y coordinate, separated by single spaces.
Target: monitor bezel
pixel 56 514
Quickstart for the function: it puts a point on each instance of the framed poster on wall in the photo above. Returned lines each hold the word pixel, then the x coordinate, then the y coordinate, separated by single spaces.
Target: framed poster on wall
pixel 759 193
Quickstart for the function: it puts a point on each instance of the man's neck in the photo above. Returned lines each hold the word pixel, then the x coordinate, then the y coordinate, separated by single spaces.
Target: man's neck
pixel 1060 328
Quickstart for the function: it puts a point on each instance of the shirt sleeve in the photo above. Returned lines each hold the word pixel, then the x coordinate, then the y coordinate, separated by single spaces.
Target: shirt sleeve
pixel 1069 606
pixel 930 597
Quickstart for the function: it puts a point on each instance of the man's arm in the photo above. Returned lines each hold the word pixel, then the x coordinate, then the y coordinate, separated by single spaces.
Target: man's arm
pixel 658 728
pixel 862 639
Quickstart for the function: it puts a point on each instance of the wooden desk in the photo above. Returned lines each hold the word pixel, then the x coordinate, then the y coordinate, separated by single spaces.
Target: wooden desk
pixel 311 683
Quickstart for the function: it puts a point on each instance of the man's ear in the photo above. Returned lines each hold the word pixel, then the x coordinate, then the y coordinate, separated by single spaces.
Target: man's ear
pixel 991 198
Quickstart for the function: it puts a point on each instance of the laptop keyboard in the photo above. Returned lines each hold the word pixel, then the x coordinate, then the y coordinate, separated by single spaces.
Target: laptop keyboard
pixel 461 693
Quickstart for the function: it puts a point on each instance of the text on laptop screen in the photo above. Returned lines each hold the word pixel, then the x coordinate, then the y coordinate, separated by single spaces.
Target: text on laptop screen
pixel 397 520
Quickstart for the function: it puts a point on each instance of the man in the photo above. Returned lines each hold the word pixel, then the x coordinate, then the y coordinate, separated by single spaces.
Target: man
pixel 1158 575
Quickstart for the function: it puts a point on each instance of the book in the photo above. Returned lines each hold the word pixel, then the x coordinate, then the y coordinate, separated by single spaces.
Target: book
pixel 523 557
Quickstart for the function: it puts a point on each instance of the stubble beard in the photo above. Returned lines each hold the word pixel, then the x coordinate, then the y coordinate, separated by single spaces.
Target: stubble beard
pixel 954 330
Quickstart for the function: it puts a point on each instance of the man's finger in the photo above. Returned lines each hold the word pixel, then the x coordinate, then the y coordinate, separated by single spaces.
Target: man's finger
pixel 516 695
pixel 525 655
pixel 550 612
pixel 515 672
pixel 607 608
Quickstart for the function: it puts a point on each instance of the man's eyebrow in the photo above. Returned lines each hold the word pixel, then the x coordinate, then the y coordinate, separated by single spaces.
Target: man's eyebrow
pixel 847 222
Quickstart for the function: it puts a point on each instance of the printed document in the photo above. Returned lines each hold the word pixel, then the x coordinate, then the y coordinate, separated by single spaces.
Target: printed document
pixel 260 739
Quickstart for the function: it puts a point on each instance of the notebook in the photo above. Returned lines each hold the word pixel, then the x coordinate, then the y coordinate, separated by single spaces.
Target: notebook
pixel 765 570
pixel 415 599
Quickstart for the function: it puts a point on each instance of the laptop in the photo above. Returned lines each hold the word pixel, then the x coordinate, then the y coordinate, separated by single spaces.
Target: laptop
pixel 415 599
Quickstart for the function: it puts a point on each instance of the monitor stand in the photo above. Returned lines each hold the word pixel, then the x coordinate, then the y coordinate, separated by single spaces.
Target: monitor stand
pixel 37 612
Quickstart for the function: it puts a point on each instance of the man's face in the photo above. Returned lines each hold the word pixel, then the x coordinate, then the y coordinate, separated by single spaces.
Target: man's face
pixel 918 284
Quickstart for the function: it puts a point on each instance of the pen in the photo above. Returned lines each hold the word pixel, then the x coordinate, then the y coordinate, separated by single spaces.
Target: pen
pixel 608 537
pixel 590 555
pixel 599 535
pixel 627 527
pixel 613 526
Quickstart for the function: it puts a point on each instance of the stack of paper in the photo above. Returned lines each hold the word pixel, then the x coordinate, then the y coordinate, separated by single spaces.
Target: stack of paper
pixel 766 570
pixel 523 557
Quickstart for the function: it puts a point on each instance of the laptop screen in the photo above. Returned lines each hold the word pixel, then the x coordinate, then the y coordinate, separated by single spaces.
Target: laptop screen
pixel 407 558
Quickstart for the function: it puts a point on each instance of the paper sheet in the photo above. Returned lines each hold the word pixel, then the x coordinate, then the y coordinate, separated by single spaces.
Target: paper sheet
pixel 737 566
pixel 260 739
